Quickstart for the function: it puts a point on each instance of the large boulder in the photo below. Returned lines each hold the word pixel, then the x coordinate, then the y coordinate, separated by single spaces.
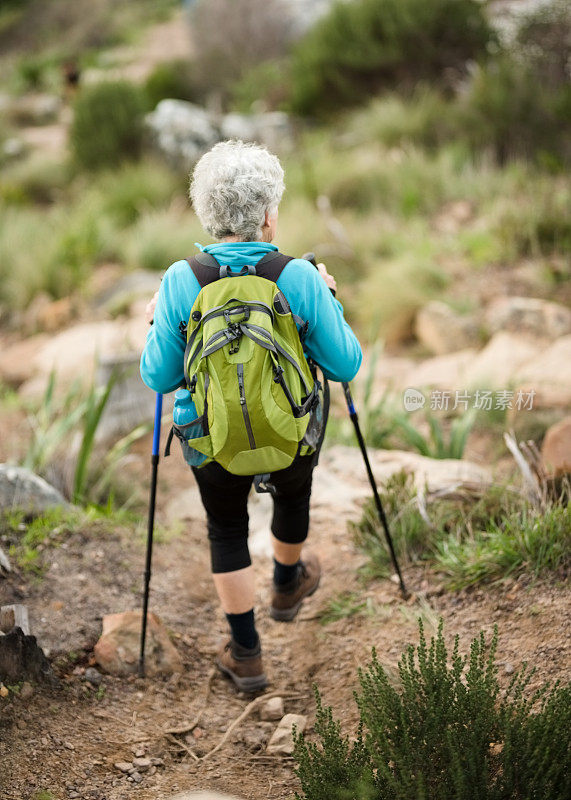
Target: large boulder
pixel 501 361
pixel 182 131
pixel 556 448
pixel 439 328
pixel 117 651
pixel 76 351
pixel 272 128
pixel 528 315
pixel 21 489
pixel 445 372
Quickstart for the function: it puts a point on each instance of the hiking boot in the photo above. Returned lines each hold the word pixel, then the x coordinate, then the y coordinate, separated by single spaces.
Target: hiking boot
pixel 287 599
pixel 243 665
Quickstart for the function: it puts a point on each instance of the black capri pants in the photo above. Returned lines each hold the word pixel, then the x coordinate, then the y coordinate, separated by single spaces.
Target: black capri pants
pixel 225 498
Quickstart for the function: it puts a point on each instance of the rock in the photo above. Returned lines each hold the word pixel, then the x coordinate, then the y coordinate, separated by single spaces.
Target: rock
pixel 117 651
pixel 136 777
pixel 133 286
pixel 509 669
pixel 22 659
pixel 77 351
pixel 27 691
pixel 93 676
pixel 500 362
pixel 273 709
pixel 23 490
pixel 34 109
pixel 272 129
pixel 5 565
pixel 442 330
pixel 13 147
pixel 142 764
pixel 130 402
pixel 14 616
pixel 17 360
pixel 45 314
pixel 444 372
pixel 123 766
pixel 529 315
pixel 182 131
pixel 547 370
pixel 556 448
pixel 281 742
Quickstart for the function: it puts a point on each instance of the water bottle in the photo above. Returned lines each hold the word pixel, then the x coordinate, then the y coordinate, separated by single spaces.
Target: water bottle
pixel 188 425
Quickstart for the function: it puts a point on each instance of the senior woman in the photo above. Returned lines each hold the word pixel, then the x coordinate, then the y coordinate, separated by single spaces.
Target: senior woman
pixel 236 189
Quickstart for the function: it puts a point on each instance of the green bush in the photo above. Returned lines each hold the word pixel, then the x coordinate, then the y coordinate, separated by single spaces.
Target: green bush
pixel 445 732
pixel 107 124
pixel 366 45
pixel 509 111
pixel 172 79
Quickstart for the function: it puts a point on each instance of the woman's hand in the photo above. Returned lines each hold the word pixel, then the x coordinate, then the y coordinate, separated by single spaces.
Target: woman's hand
pixel 329 279
pixel 150 309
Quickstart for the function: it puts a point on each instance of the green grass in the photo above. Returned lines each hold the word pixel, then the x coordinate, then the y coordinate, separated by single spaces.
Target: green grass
pixel 470 537
pixel 30 536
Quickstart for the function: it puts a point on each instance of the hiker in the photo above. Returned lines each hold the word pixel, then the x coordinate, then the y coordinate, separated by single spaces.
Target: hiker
pixel 236 189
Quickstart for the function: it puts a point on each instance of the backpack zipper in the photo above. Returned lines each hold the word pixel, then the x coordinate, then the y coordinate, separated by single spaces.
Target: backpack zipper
pixel 245 413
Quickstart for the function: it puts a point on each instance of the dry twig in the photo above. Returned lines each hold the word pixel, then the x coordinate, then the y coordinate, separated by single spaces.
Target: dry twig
pixel 187 727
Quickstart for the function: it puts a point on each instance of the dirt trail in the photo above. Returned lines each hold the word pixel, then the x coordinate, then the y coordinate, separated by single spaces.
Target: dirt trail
pixel 68 741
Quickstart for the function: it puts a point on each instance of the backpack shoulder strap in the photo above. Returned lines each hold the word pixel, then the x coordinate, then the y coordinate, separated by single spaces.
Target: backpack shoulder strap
pixel 207 269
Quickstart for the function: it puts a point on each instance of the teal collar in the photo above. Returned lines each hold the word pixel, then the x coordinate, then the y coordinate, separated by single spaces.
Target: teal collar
pixel 238 254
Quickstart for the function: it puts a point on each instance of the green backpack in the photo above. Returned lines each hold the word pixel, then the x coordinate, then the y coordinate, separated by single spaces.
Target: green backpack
pixel 245 368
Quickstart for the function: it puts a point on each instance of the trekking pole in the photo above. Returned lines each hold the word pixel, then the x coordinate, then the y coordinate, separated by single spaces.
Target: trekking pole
pixel 355 420
pixel 150 527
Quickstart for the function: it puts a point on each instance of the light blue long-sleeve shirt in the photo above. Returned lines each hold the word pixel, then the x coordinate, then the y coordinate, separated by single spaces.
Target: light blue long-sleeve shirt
pixel 329 339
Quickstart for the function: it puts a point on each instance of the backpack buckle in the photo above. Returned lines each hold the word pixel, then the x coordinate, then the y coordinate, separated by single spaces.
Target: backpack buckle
pixel 278 372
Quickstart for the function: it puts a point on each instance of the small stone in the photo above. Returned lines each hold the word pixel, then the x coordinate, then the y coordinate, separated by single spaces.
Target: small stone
pixel 273 709
pixel 509 669
pixel 93 676
pixel 142 764
pixel 26 691
pixel 136 777
pixel 157 762
pixel 68 746
pixel 123 766
pixel 281 742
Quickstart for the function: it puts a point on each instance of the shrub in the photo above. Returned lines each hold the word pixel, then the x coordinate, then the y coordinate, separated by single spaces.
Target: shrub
pixel 172 79
pixel 107 124
pixel 509 111
pixel 544 41
pixel 366 45
pixel 446 731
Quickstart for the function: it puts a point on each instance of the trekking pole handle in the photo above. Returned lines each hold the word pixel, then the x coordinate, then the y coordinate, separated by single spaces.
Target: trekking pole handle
pixel 313 260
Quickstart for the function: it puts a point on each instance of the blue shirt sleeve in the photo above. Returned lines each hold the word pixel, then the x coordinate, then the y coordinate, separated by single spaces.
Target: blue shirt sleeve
pixel 162 361
pixel 329 340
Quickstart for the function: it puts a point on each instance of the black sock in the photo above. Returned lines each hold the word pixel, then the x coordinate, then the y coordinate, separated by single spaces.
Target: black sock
pixel 243 628
pixel 285 573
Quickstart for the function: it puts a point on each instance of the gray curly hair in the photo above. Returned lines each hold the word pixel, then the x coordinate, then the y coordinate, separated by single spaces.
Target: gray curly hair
pixel 232 188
